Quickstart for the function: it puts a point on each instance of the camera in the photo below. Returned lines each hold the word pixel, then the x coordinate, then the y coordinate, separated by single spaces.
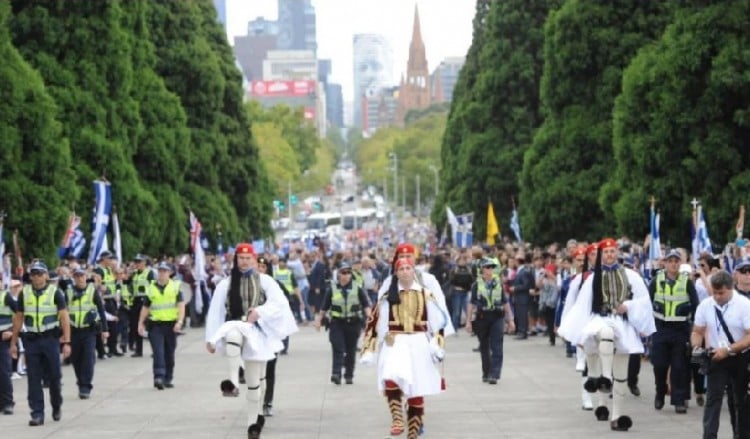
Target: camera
pixel 702 358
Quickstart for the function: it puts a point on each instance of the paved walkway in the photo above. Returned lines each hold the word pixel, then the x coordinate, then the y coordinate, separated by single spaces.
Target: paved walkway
pixel 537 397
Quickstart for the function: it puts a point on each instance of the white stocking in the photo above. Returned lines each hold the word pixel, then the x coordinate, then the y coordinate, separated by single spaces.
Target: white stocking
pixel 606 350
pixel 619 388
pixel 255 376
pixel 233 342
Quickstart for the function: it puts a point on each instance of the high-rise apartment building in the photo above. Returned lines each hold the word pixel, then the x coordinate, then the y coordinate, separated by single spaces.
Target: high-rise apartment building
pixel 373 70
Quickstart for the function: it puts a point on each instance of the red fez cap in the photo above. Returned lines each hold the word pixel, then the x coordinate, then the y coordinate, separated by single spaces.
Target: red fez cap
pixel 245 249
pixel 607 243
pixel 406 249
pixel 592 247
pixel 403 261
pixel 580 251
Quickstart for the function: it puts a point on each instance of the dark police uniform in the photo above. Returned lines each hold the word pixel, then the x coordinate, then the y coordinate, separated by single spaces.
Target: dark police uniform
pixel 345 304
pixel 40 310
pixel 87 320
pixel 6 362
pixel 489 302
pixel 674 302
pixel 140 283
pixel 162 304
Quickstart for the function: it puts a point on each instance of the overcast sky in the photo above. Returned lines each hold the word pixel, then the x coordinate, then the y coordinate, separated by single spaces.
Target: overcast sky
pixel 446 29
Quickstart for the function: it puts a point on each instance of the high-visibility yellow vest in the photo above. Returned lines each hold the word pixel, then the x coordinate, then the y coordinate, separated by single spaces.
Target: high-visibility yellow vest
pixel 668 299
pixel 345 307
pixel 125 294
pixel 284 275
pixel 490 296
pixel 40 312
pixel 109 280
pixel 82 310
pixel 164 303
pixel 141 283
pixel 6 315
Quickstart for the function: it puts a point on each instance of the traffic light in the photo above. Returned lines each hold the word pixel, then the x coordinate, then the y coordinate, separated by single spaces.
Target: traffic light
pixel 293 200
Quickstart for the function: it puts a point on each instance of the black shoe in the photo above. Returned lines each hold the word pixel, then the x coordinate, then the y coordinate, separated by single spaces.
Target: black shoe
pixel 700 400
pixel 117 354
pixel 159 383
pixel 485 379
pixel 136 354
pixel 8 410
pixel 83 395
pixel 475 349
pixel 658 402
pixel 56 414
pixel 335 379
pixel 520 337
pixel 349 381
pixel 169 385
pixel 635 390
pixel 492 381
pixel 680 409
pixel 35 422
pixel 253 432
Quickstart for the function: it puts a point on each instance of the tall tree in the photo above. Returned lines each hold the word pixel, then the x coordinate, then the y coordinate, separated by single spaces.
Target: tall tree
pixel 84 57
pixel 587 45
pixel 682 125
pixel 464 111
pixel 37 165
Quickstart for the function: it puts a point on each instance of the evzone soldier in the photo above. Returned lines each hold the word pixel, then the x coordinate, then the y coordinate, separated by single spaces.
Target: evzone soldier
pixel 583 258
pixel 405 329
pixel 611 314
pixel 248 318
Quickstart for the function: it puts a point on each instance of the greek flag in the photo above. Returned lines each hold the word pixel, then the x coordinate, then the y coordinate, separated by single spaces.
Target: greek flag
pixel 199 258
pixel 654 249
pixel 515 225
pixel 699 233
pixel 465 235
pixel 100 219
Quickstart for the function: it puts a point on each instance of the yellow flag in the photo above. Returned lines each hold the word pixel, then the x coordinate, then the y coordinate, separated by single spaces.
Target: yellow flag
pixel 492 228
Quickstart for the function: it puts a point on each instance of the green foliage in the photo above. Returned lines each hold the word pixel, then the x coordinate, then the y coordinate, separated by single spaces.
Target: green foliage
pixel 93 90
pixel 36 162
pixel 495 117
pixel 460 120
pixel 587 45
pixel 682 125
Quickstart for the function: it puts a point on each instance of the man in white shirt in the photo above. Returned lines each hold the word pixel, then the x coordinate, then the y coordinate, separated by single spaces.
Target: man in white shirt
pixel 727 352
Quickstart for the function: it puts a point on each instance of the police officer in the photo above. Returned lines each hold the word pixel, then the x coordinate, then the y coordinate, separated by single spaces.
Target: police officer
pixel 106 289
pixel 674 302
pixel 140 282
pixel 284 275
pixel 6 362
pixel 165 309
pixel 346 300
pixel 124 296
pixel 87 320
pixel 41 308
pixel 492 311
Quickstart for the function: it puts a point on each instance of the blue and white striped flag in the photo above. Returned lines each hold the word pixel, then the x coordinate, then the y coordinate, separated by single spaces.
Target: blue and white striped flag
pixel 515 225
pixel 654 248
pixel 116 240
pixel 100 219
pixel 199 260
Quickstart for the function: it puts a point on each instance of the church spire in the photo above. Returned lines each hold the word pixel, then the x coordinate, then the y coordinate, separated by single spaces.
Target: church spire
pixel 417 53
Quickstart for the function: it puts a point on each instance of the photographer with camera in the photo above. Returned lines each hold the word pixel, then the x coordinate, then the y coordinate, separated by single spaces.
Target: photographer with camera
pixel 492 312
pixel 723 322
pixel 674 300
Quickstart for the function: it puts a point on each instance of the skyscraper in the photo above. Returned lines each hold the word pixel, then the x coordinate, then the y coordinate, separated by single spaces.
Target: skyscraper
pixel 373 69
pixel 297 25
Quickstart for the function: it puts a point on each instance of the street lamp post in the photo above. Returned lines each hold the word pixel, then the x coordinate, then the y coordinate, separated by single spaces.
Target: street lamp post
pixel 395 178
pixel 435 171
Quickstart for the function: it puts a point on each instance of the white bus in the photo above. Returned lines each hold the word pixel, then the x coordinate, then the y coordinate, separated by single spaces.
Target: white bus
pixel 358 219
pixel 328 222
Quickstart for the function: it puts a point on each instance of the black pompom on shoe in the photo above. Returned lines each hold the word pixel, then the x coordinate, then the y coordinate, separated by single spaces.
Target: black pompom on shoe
pixel 601 413
pixel 623 423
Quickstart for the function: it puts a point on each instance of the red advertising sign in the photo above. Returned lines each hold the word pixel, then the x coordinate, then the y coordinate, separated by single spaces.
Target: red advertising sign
pixel 282 88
